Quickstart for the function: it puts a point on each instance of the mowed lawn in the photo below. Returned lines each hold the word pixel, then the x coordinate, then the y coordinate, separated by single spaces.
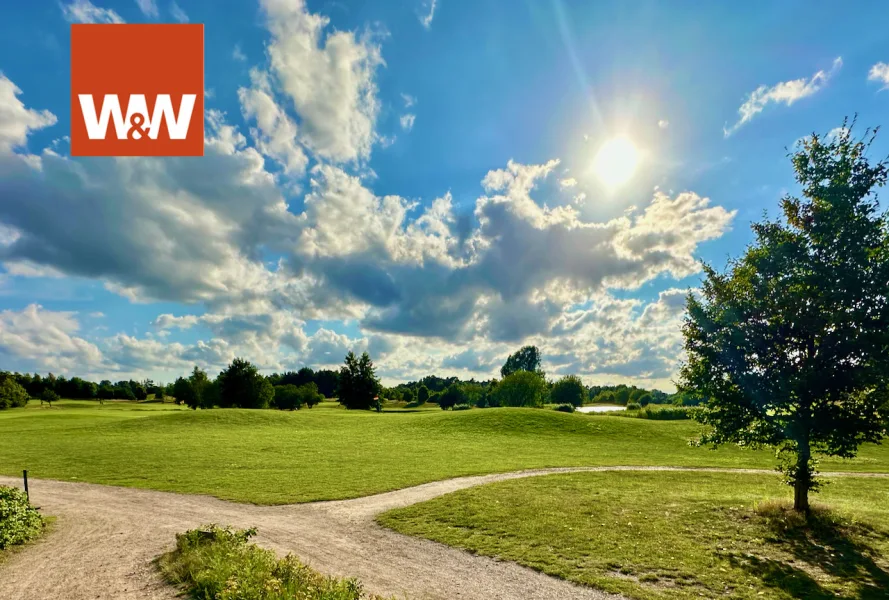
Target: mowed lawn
pixel 673 535
pixel 274 457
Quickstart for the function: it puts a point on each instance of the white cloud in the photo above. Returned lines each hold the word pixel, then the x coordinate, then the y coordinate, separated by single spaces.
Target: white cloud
pixel 422 282
pixel 238 54
pixel 409 100
pixel 46 338
pixel 84 11
pixel 785 92
pixel 328 77
pixel 276 133
pixel 177 12
pixel 16 121
pixel 407 121
pixel 663 123
pixel 426 19
pixel 879 72
pixel 568 182
pixel 148 7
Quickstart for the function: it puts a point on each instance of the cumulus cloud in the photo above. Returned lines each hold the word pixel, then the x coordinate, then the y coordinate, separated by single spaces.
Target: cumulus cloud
pixel 16 121
pixel 47 339
pixel 785 92
pixel 422 282
pixel 84 11
pixel 879 72
pixel 568 182
pixel 275 133
pixel 328 77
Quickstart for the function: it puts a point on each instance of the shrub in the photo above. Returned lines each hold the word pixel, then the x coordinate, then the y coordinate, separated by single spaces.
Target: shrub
pixel 568 408
pixel 422 395
pixel 19 521
pixel 287 397
pixel 215 563
pixel 522 388
pixel 12 395
pixel 645 400
pixel 461 407
pixel 633 406
pixel 568 390
pixel 452 396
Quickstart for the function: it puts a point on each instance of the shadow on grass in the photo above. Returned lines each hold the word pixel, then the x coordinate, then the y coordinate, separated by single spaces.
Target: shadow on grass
pixel 821 542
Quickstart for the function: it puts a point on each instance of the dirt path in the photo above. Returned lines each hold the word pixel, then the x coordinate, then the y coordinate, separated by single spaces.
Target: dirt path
pixel 105 538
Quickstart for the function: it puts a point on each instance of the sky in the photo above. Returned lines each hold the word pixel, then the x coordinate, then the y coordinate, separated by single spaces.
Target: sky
pixel 436 182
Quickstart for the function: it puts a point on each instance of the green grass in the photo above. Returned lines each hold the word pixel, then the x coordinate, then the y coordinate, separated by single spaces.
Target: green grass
pixel 274 457
pixel 673 535
pixel 213 563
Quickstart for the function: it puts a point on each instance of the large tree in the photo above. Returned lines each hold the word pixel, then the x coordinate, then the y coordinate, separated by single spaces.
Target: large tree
pixel 526 359
pixel 241 385
pixel 358 383
pixel 791 344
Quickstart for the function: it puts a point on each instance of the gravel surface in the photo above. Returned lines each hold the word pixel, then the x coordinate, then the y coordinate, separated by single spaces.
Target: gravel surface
pixel 105 538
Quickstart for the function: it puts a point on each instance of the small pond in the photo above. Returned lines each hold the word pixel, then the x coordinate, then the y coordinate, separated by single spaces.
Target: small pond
pixel 599 408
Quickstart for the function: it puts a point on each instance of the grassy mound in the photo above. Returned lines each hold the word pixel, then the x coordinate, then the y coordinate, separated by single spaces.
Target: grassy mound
pixel 214 563
pixel 274 457
pixel 672 535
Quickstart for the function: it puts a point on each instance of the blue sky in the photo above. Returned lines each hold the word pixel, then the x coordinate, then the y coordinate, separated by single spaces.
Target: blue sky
pixel 420 180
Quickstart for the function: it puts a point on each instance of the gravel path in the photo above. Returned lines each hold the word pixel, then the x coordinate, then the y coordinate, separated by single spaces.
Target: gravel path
pixel 105 538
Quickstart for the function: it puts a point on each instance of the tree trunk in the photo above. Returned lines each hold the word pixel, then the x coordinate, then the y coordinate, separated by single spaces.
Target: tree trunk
pixel 803 479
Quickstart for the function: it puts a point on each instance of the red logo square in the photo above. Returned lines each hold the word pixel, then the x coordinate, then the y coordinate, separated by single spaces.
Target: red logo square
pixel 137 90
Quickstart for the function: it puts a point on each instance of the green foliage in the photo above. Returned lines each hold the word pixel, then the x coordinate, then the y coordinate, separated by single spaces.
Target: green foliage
pixel 12 395
pixel 645 400
pixel 422 394
pixel 633 406
pixel 522 388
pixel 19 521
pixel 197 391
pixel 49 396
pixel 214 563
pixel 568 390
pixel 242 386
pixel 452 396
pixel 291 397
pixel 566 408
pixel 358 383
pixel 791 344
pixel 526 359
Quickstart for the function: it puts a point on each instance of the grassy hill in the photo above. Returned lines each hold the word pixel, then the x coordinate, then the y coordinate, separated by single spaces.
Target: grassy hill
pixel 272 457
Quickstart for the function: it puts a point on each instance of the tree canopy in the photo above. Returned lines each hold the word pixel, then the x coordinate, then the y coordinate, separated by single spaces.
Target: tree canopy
pixel 791 344
pixel 358 383
pixel 526 359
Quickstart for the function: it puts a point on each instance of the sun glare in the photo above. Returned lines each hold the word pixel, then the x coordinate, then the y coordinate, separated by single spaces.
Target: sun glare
pixel 616 162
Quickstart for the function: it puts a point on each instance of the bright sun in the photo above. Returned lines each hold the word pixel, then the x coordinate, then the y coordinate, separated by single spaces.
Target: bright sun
pixel 616 162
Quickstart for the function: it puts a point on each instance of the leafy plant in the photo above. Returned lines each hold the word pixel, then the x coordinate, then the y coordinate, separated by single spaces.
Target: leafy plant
pixel 569 390
pixel 19 521
pixel 566 408
pixel 216 563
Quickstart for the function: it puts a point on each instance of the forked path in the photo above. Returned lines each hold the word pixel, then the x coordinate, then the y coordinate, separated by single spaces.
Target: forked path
pixel 105 538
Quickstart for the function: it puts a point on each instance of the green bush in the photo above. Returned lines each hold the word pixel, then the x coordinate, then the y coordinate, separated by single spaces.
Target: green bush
pixel 19 521
pixel 12 395
pixel 215 563
pixel 633 406
pixel 461 407
pixel 568 390
pixel 568 408
pixel 452 396
pixel 522 388
pixel 49 396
